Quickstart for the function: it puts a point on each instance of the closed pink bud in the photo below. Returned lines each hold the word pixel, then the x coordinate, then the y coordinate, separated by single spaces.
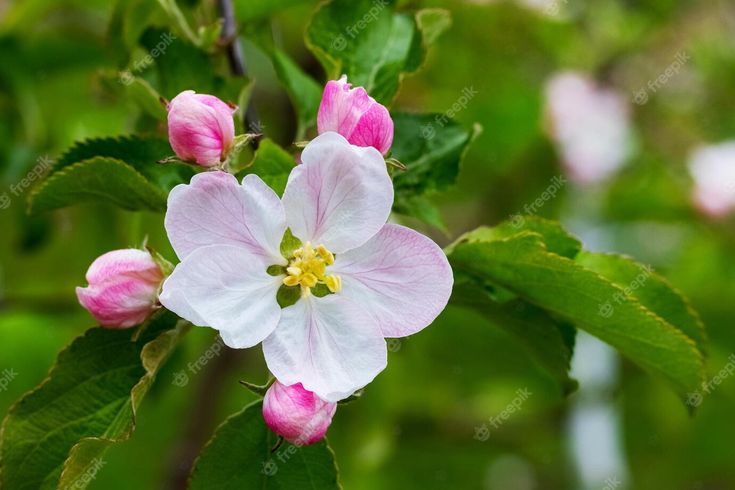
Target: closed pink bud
pixel 123 288
pixel 298 415
pixel 355 115
pixel 200 128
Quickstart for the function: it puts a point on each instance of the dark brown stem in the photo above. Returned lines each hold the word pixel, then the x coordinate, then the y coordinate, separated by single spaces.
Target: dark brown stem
pixel 236 59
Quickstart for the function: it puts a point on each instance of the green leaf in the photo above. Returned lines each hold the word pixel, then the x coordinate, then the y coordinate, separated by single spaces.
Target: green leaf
pixel 273 164
pixel 566 289
pixel 135 180
pixel 250 10
pixel 55 433
pixel 305 93
pixel 239 456
pixel 422 209
pixel 549 343
pixel 652 290
pixel 371 43
pixel 146 97
pixel 555 237
pixel 98 179
pixel 431 146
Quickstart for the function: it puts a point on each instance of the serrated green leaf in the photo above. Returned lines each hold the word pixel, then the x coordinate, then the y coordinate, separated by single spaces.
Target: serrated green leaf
pixel 239 456
pixel 135 182
pixel 89 401
pixel 304 92
pixel 98 179
pixel 271 163
pixel 556 239
pixel 652 290
pixel 565 288
pixel 371 43
pixel 431 146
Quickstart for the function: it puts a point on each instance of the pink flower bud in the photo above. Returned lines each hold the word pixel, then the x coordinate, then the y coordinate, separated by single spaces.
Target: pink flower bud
pixel 123 288
pixel 298 415
pixel 200 128
pixel 355 115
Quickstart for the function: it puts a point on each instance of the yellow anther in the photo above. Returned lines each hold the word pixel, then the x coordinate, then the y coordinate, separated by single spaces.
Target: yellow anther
pixel 325 254
pixel 309 268
pixel 334 283
pixel 291 280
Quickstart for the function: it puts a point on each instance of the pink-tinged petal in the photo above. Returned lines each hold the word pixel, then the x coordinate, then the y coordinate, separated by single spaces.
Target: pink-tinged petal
pixel 200 128
pixel 123 288
pixel 132 262
pixel 341 195
pixel 355 115
pixel 330 345
pixel 119 304
pixel 228 289
pixel 375 129
pixel 215 210
pixel 713 170
pixel 296 414
pixel 400 276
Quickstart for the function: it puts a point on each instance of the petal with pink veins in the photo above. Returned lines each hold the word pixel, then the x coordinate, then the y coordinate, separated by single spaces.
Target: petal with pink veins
pixel 225 287
pixel 340 196
pixel 215 210
pixel 402 277
pixel 330 345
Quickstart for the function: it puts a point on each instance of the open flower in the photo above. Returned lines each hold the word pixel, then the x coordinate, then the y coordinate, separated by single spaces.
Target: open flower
pixel 297 415
pixel 123 288
pixel 355 115
pixel 200 128
pixel 357 279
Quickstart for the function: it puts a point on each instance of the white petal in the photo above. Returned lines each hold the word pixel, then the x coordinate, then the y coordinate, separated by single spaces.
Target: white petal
pixel 341 195
pixel 400 276
pixel 215 210
pixel 226 288
pixel 330 345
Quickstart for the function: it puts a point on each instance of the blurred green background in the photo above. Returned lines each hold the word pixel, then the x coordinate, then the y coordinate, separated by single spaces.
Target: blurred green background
pixel 415 427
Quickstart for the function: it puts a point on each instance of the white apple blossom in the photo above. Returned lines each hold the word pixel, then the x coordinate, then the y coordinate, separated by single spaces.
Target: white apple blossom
pixel 383 280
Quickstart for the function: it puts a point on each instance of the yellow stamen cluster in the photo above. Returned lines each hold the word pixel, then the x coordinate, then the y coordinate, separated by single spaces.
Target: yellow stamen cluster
pixel 309 268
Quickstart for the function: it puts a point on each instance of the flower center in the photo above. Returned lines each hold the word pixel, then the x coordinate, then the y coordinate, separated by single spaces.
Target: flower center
pixel 309 268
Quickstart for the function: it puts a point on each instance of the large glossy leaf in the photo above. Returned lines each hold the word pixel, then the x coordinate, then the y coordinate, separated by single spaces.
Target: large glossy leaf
pixel 371 43
pixel 304 92
pixel 56 433
pixel 239 456
pixel 524 265
pixel 652 290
